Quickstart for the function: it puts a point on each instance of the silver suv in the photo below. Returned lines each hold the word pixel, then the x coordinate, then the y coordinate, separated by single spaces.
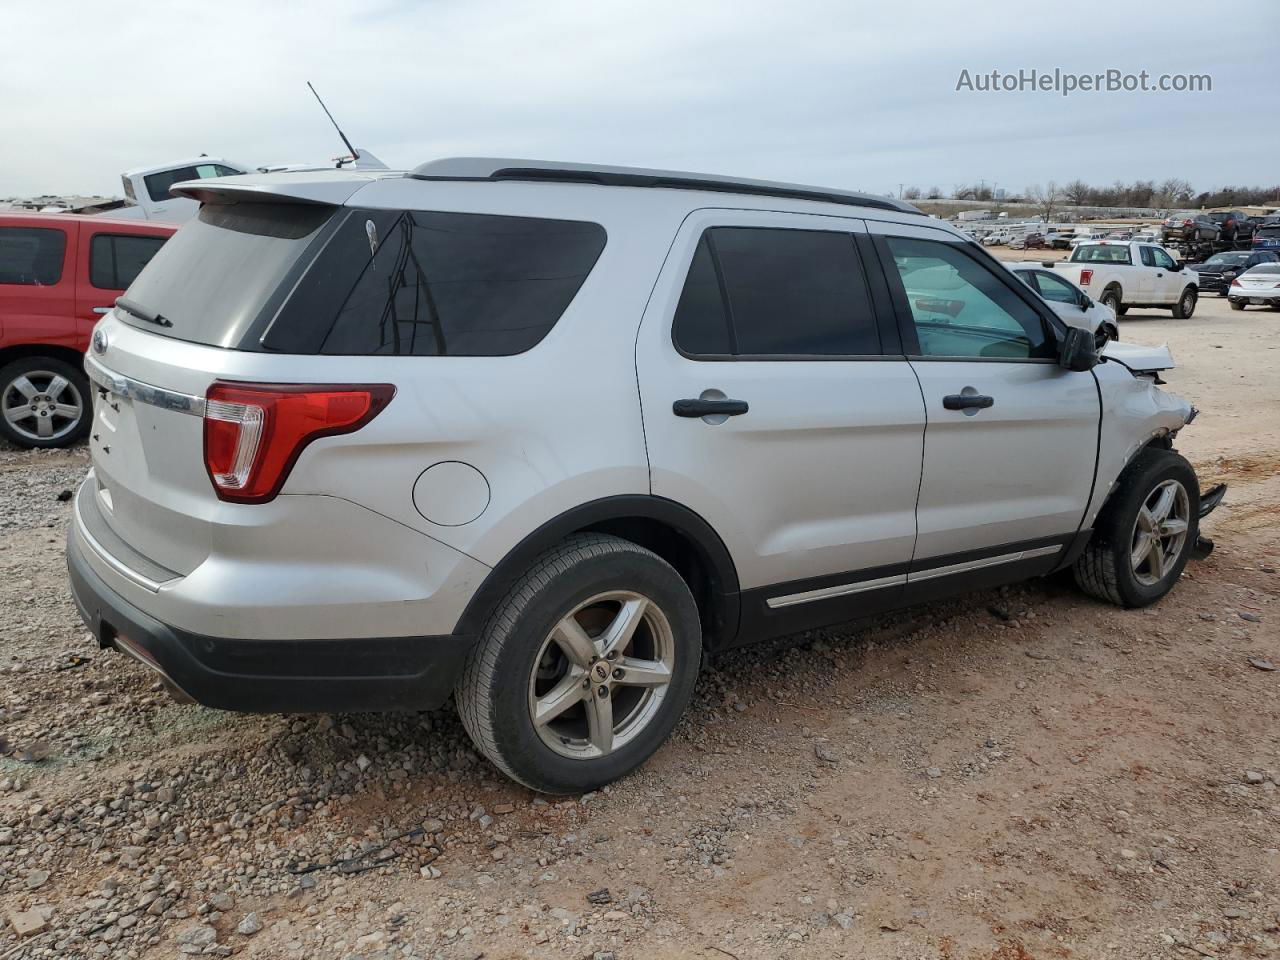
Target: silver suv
pixel 540 436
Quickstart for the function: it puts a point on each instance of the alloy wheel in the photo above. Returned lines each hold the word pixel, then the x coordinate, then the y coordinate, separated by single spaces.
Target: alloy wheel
pixel 601 675
pixel 42 405
pixel 1159 532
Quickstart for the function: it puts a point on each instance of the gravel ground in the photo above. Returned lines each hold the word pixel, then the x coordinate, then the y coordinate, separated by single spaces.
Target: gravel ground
pixel 1012 774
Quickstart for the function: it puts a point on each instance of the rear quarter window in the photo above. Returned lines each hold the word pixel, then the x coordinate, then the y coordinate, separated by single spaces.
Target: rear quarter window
pixel 438 284
pixel 31 256
pixel 116 259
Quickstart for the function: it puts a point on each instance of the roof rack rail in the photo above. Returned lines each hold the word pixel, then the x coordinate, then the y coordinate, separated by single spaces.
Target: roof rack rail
pixel 498 168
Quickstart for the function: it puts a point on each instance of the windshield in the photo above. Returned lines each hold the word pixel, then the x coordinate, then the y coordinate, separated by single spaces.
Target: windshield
pixel 1227 258
pixel 1101 253
pixel 1263 268
pixel 214 277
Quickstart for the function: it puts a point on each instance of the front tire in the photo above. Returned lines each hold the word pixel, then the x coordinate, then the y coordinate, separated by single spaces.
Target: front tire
pixel 1186 305
pixel 584 667
pixel 44 402
pixel 1144 535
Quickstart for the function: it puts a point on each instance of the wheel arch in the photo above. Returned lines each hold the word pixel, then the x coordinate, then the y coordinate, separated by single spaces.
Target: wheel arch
pixel 671 530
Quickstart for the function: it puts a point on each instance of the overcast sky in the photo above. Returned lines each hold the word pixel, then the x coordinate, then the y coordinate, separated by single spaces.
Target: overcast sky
pixel 844 94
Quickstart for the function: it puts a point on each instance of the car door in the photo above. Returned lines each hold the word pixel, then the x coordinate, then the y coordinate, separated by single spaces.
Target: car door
pixel 109 261
pixel 778 406
pixel 37 281
pixel 1011 437
pixel 1169 281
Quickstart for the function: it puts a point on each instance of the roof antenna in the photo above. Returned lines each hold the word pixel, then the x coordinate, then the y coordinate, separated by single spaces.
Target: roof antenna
pixel 355 155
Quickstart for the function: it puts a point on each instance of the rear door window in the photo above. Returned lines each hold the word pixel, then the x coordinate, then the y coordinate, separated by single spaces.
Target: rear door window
pixel 765 292
pixel 116 259
pixel 31 256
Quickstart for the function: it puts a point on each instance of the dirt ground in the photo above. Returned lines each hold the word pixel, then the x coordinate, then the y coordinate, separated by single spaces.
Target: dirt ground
pixel 1008 775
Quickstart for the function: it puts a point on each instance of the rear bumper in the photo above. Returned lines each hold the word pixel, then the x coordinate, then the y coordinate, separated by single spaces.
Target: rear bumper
pixel 1245 295
pixel 272 676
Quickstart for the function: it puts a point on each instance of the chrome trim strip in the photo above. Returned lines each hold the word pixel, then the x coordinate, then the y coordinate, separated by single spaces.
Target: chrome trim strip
pixel 839 590
pixel 101 553
pixel 122 386
pixel 984 562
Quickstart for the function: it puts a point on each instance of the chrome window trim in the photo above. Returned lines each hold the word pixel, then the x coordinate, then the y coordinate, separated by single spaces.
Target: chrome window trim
pixel 984 562
pixel 122 386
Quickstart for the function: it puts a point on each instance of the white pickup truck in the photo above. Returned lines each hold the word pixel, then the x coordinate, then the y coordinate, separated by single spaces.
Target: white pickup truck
pixel 1123 274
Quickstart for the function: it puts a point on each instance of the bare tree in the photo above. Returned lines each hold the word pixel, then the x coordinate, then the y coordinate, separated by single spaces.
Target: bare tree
pixel 912 193
pixel 935 193
pixel 1172 192
pixel 1046 199
pixel 1077 192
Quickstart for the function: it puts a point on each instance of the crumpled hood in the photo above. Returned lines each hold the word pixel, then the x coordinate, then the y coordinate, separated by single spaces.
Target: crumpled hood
pixel 1139 358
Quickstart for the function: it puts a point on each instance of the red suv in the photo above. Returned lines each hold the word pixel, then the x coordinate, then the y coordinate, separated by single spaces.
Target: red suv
pixel 58 274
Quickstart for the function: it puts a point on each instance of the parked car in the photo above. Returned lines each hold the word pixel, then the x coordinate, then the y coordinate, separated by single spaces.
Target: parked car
pixel 995 239
pixel 1232 226
pixel 1267 235
pixel 1188 225
pixel 146 189
pixel 1217 272
pixel 429 434
pixel 1124 275
pixel 1086 236
pixel 1120 235
pixel 59 274
pixel 1258 286
pixel 1057 240
pixel 1068 301
pixel 1146 236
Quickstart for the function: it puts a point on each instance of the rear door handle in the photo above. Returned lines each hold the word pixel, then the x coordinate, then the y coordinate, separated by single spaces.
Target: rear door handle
pixel 101 309
pixel 709 408
pixel 959 401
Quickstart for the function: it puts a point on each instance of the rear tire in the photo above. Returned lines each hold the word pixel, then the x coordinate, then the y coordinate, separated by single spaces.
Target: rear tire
pixel 1144 535
pixel 1186 305
pixel 1237 305
pixel 1111 298
pixel 44 402
pixel 546 695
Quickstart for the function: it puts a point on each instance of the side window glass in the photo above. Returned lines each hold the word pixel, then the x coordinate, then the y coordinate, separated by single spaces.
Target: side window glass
pixel 767 292
pixel 960 308
pixel 1163 259
pixel 464 284
pixel 1148 256
pixel 115 260
pixel 1056 289
pixel 701 325
pixel 158 184
pixel 31 256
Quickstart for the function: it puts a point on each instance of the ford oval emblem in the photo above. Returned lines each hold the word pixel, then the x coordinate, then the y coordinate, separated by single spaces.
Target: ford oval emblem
pixel 99 342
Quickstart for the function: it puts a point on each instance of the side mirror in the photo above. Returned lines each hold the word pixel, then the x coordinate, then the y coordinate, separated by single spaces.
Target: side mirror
pixel 1086 301
pixel 1077 350
pixel 1179 266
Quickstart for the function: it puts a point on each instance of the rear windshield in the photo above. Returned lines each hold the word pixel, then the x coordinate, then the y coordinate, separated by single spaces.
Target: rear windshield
pixel 215 276
pixel 1101 253
pixel 1269 230
pixel 1263 268
pixel 307 279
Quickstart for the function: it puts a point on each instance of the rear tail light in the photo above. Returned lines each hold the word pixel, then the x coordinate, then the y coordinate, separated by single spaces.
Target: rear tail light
pixel 1085 277
pixel 1187 223
pixel 1236 282
pixel 253 433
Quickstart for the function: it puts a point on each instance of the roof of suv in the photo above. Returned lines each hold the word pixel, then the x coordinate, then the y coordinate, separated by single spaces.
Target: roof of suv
pixel 502 168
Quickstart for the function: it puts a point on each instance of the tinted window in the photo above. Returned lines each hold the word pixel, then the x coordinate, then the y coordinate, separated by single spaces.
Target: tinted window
pixel 158 184
pixel 1148 255
pixel 788 293
pixel 31 256
pixel 701 325
pixel 463 284
pixel 960 308
pixel 115 260
pixel 214 277
pixel 1268 268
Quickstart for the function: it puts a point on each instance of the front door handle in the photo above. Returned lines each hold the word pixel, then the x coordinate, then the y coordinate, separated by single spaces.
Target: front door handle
pixel 101 310
pixel 709 408
pixel 960 401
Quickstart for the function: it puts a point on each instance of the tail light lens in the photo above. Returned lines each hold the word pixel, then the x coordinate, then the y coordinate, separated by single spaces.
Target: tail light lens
pixel 253 433
pixel 1085 277
pixel 1187 223
pixel 1236 282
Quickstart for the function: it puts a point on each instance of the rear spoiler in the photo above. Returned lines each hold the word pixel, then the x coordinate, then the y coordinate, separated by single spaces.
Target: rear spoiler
pixel 328 188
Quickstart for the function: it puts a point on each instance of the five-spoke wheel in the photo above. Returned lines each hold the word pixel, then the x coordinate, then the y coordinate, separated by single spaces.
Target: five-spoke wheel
pixel 44 402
